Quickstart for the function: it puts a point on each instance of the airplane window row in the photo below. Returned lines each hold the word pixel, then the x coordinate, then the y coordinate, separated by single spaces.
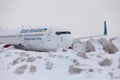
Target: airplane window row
pixel 65 32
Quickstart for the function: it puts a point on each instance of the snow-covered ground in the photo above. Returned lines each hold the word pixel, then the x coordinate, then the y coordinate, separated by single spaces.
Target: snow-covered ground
pixel 89 60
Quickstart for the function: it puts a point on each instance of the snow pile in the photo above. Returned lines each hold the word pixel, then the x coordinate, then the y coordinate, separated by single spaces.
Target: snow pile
pixel 116 42
pixel 92 45
pixel 108 46
pixel 87 61
pixel 83 46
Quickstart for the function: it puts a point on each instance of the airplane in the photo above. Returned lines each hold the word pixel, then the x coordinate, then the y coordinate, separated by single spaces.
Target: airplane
pixel 37 38
pixel 40 38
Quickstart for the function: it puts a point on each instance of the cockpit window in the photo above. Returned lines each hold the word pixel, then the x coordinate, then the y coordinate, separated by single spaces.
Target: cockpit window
pixel 63 32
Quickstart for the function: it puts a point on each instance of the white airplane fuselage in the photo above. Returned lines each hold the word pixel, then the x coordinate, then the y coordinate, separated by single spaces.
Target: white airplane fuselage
pixel 38 39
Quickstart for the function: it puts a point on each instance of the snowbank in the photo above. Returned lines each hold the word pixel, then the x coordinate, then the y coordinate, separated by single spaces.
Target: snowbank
pixel 87 61
pixel 110 46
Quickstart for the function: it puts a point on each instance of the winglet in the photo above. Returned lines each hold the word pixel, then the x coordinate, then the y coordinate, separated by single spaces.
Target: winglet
pixel 105 28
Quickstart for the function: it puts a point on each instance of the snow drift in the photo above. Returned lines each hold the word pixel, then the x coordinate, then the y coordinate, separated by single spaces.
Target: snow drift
pixel 94 59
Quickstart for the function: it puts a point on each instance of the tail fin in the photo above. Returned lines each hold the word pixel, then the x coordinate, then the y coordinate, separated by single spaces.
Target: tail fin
pixel 105 28
pixel 105 33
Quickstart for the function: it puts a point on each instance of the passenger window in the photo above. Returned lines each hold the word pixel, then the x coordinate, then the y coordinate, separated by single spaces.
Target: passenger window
pixel 63 32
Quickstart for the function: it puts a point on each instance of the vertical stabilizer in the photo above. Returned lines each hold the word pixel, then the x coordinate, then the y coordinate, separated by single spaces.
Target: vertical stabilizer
pixel 105 28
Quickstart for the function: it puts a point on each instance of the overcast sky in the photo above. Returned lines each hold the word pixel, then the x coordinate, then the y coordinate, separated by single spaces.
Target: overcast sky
pixel 82 17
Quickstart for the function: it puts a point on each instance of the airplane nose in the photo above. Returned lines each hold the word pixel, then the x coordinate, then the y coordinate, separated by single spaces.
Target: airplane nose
pixel 67 40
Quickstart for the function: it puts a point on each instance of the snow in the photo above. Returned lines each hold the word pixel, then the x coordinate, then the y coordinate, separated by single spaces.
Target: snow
pixel 63 64
pixel 117 42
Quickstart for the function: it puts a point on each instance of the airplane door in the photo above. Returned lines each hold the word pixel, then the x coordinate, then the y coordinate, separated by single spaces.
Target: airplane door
pixel 49 35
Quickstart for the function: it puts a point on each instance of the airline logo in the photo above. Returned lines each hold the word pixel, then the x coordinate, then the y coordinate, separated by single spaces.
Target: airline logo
pixel 33 30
